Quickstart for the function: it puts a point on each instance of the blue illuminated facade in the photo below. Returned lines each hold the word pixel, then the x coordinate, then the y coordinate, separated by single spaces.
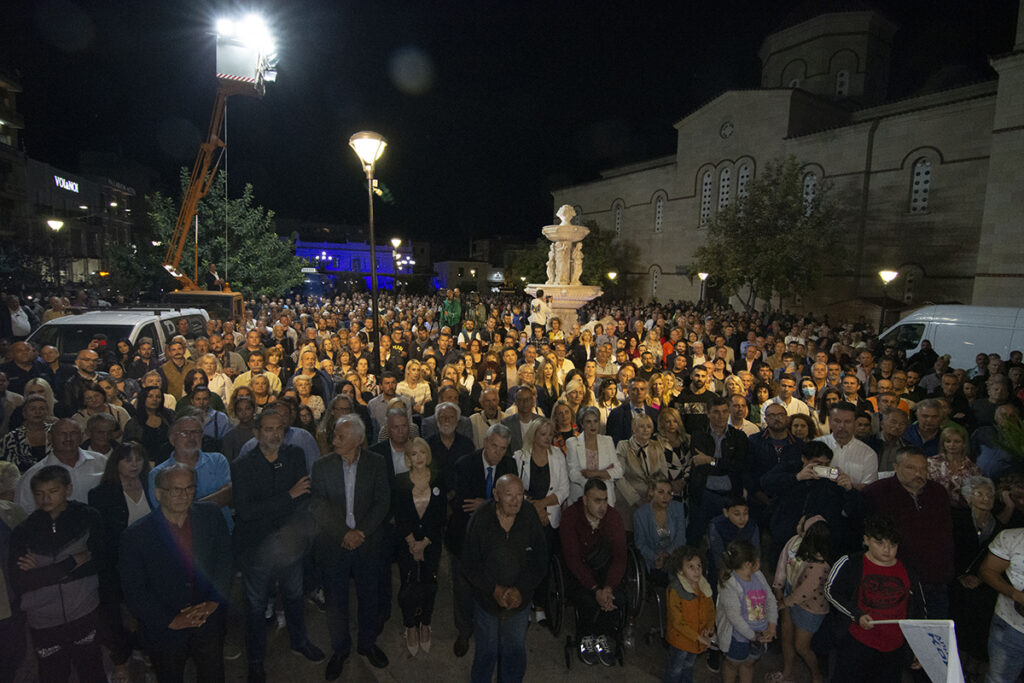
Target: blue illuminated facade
pixel 349 260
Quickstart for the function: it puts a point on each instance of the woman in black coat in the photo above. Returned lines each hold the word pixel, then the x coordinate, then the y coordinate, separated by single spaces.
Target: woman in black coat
pixel 151 425
pixel 972 601
pixel 121 500
pixel 419 523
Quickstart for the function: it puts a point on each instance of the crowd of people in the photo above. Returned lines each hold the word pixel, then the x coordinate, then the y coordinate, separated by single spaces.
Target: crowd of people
pixel 781 478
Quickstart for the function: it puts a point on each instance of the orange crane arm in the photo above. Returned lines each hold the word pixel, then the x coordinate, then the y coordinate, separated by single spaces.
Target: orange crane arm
pixel 198 187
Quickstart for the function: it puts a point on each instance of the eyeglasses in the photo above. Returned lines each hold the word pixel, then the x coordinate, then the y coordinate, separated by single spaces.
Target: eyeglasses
pixel 179 490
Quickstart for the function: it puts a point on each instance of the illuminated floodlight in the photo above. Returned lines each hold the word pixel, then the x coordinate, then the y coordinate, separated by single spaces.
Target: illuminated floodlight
pixel 252 30
pixel 702 276
pixel 225 27
pixel 55 224
pixel 888 275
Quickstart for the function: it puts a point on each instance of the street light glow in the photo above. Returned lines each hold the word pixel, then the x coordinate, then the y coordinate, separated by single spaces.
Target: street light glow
pixel 888 275
pixel 55 224
pixel 702 276
pixel 396 242
pixel 612 275
pixel 368 146
pixel 225 27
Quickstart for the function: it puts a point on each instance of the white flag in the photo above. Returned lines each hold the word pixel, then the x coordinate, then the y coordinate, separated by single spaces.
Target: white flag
pixel 934 644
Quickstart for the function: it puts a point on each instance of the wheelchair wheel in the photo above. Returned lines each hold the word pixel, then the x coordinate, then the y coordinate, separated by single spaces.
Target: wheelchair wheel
pixel 556 596
pixel 634 582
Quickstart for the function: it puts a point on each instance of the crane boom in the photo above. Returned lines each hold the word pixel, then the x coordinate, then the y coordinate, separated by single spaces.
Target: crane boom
pixel 198 187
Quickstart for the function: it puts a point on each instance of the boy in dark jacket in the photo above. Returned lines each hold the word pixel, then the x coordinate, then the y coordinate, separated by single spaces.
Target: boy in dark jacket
pixel 870 587
pixel 54 557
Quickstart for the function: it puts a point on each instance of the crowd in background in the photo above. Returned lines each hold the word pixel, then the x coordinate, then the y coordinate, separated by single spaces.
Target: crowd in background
pixel 781 476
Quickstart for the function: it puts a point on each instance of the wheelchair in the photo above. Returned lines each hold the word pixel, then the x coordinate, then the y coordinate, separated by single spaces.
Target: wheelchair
pixel 633 586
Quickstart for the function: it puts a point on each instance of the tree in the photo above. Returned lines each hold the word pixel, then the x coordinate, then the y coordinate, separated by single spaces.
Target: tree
pixel 773 240
pixel 258 261
pixel 600 255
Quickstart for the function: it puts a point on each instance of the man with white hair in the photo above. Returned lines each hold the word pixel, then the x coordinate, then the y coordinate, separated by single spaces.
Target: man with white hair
pixel 351 499
pixel 85 467
pixel 489 414
pixel 449 444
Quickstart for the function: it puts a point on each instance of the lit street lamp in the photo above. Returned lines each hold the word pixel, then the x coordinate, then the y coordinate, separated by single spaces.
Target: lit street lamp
pixel 368 146
pixel 887 277
pixel 703 277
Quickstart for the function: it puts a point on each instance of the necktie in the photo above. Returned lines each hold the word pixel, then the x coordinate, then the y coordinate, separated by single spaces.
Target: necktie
pixel 490 481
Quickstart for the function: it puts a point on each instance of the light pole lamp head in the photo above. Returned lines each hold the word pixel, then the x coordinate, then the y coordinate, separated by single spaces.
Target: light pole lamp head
pixel 703 276
pixel 368 146
pixel 612 275
pixel 55 224
pixel 888 275
pixel 396 242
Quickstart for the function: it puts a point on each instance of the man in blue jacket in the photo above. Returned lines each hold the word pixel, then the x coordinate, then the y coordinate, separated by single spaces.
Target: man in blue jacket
pixel 175 566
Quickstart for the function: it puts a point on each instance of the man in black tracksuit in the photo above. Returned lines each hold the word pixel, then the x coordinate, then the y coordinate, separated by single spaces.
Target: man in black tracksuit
pixel 54 557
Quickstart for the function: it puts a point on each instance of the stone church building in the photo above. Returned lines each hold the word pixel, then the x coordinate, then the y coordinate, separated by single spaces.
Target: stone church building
pixel 931 185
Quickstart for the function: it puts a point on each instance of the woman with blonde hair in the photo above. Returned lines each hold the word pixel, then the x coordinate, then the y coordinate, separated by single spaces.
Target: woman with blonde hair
pixel 218 382
pixel 419 522
pixel 304 387
pixel 641 457
pixel 413 386
pixel 678 459
pixel 591 454
pixel 542 469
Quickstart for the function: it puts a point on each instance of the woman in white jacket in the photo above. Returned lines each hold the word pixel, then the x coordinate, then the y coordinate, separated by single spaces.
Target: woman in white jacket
pixel 591 454
pixel 541 467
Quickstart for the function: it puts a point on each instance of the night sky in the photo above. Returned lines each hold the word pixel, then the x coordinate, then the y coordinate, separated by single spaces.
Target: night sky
pixel 486 105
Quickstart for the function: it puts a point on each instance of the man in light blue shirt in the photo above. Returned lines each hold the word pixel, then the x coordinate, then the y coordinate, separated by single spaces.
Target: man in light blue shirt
pixel 213 473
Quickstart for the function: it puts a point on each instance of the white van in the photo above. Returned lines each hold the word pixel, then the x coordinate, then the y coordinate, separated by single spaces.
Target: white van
pixel 72 333
pixel 961 331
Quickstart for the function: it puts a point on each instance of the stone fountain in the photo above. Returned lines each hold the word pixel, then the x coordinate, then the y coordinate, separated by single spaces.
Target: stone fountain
pixel 565 265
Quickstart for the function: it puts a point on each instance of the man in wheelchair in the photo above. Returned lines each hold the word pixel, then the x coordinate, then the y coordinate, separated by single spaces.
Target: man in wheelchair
pixel 594 552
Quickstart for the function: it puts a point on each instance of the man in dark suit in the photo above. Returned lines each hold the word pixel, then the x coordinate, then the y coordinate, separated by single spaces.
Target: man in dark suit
pixel 719 461
pixel 392 451
pixel 351 500
pixel 752 361
pixel 475 477
pixel 620 420
pixel 175 566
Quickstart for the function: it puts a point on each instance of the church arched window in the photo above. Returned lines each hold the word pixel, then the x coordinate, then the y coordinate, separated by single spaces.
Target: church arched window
pixel 920 184
pixel 618 219
pixel 659 212
pixel 810 187
pixel 842 83
pixel 705 197
pixel 724 187
pixel 742 178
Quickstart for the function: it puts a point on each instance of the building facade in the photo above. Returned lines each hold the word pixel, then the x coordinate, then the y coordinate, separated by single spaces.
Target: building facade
pixel 930 185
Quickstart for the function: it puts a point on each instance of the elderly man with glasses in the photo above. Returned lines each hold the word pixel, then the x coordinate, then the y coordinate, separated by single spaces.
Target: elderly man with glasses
pixel 175 567
pixel 213 472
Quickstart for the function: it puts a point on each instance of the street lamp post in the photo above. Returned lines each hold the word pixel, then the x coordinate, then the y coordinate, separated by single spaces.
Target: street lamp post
pixel 55 225
pixel 703 277
pixel 396 242
pixel 887 277
pixel 368 146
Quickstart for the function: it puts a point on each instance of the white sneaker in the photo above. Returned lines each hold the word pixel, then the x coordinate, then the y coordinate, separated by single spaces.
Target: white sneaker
pixel 588 650
pixel 605 653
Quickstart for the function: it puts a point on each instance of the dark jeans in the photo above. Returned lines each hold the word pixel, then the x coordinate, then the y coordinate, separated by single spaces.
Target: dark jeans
pixel 419 585
pixel 363 567
pixel 205 645
pixel 501 636
pixel 856 662
pixel 462 598
pixel 12 650
pixel 540 596
pixel 389 543
pixel 76 643
pixel 113 633
pixel 936 600
pixel 701 514
pixel 591 619
pixel 259 580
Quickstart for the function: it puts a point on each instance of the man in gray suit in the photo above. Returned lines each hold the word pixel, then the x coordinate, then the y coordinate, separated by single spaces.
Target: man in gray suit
pixel 446 394
pixel 526 399
pixel 351 499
